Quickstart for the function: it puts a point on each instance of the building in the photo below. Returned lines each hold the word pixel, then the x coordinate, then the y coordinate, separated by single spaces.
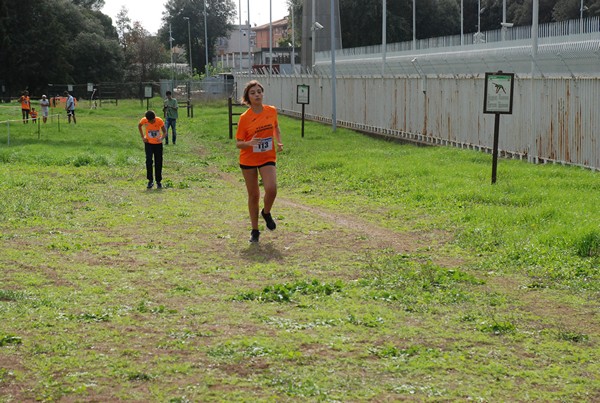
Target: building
pixel 235 52
pixel 254 51
pixel 279 53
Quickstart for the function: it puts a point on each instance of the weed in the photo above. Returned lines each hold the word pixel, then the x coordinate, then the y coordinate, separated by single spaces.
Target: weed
pixel 6 340
pixel 497 327
pixel 286 291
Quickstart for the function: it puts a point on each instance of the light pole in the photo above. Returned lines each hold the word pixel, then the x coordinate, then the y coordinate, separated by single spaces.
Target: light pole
pixel 504 27
pixel 240 10
pixel 190 44
pixel 293 43
pixel 462 23
pixel 479 17
pixel 582 8
pixel 314 31
pixel 333 72
pixel 314 27
pixel 172 67
pixel 479 35
pixel 249 42
pixel 270 38
pixel 205 42
pixel 383 35
pixel 414 10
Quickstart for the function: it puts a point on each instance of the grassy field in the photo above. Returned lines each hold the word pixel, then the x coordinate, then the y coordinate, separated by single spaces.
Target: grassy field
pixel 396 272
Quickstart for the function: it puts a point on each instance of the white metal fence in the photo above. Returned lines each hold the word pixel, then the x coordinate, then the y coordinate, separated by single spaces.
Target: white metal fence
pixel 435 96
pixel 553 120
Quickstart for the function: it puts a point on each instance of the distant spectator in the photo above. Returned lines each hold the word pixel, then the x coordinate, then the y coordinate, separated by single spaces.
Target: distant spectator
pixel 33 115
pixel 45 104
pixel 171 108
pixel 25 106
pixel 70 107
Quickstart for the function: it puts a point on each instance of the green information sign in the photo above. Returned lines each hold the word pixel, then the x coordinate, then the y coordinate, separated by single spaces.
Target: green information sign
pixel 498 93
pixel 302 94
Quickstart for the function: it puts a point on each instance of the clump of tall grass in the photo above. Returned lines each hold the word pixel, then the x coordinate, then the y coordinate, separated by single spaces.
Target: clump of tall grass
pixel 588 245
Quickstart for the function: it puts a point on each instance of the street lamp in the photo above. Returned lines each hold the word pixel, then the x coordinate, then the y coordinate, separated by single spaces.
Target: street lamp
pixel 205 41
pixel 190 44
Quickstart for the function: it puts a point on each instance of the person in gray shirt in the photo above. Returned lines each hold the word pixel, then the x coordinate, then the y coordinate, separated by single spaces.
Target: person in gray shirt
pixel 170 108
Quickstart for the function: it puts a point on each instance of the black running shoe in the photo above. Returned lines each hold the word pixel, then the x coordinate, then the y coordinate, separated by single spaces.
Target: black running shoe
pixel 150 184
pixel 268 220
pixel 254 235
pixel 158 185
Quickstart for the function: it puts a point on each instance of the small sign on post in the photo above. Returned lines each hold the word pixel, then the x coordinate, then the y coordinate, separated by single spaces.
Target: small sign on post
pixel 303 97
pixel 148 95
pixel 498 99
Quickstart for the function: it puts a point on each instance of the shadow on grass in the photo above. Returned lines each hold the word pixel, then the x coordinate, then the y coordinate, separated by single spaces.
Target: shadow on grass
pixel 261 252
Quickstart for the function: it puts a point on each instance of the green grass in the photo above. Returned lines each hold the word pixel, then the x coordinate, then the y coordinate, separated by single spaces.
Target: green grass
pixel 396 272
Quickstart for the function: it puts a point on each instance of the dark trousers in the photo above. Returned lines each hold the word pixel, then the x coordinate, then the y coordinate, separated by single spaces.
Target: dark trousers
pixel 156 151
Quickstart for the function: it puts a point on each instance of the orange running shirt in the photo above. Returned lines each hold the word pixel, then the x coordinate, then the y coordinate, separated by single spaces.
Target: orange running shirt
pixel 25 103
pixel 262 125
pixel 152 132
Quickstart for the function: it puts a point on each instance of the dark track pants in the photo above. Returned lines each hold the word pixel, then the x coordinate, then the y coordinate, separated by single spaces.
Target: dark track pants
pixel 156 151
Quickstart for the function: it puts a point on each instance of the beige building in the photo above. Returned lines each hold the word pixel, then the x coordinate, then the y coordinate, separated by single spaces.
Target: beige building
pixel 254 50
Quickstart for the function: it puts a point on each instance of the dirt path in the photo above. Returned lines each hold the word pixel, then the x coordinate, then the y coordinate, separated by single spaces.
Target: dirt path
pixel 544 304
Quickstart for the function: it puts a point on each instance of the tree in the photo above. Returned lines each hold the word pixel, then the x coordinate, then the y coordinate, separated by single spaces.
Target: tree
pixel 296 5
pixel 219 15
pixel 361 19
pixel 97 59
pixel 123 25
pixel 90 4
pixel 41 45
pixel 144 54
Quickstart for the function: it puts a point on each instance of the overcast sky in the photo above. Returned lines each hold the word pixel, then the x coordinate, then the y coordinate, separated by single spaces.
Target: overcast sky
pixel 150 14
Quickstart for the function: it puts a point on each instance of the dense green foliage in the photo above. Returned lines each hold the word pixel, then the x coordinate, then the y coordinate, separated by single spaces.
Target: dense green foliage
pixel 219 15
pixel 361 19
pixel 56 41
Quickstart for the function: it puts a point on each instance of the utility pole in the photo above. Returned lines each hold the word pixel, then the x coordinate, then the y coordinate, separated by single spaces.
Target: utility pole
pixel 190 44
pixel 172 66
pixel 205 41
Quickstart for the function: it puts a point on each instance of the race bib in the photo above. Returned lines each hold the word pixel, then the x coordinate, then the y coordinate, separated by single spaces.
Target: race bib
pixel 264 145
pixel 153 133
